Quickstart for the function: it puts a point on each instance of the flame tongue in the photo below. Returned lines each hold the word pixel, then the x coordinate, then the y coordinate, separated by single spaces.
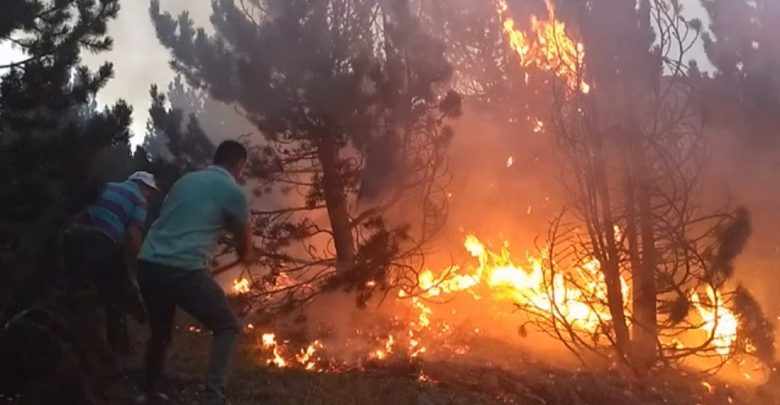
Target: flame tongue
pixel 719 321
pixel 548 46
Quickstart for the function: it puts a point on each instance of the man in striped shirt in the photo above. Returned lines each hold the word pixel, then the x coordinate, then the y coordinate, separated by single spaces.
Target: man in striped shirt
pixel 118 215
pixel 94 253
pixel 121 209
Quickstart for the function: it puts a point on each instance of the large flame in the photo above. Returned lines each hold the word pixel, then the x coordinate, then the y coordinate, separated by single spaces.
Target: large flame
pixel 547 46
pixel 585 307
pixel 577 296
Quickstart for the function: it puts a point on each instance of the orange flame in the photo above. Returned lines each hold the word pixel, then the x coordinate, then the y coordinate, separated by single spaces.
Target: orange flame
pixel 269 342
pixel 548 47
pixel 241 286
pixel 307 358
pixel 576 295
pixel 719 321
pixel 526 286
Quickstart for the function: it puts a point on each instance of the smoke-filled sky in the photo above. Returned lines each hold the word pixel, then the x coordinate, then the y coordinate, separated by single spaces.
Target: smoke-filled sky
pixel 139 60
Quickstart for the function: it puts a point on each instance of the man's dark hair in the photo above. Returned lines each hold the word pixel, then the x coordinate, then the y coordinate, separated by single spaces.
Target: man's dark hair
pixel 229 153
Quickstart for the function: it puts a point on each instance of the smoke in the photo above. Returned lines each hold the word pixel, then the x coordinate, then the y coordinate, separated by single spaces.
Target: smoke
pixel 745 175
pixel 139 59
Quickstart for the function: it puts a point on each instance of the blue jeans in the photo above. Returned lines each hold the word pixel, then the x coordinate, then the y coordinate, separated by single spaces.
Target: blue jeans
pixel 163 289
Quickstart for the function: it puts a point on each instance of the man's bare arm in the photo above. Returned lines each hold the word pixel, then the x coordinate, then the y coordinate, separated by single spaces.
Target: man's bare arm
pixel 242 236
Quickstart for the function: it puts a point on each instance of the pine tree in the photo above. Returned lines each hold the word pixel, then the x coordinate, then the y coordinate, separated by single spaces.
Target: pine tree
pixel 51 134
pixel 170 138
pixel 345 95
pixel 47 144
pixel 215 120
pixel 51 138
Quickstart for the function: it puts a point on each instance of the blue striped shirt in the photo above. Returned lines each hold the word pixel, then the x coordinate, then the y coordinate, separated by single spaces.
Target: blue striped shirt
pixel 120 206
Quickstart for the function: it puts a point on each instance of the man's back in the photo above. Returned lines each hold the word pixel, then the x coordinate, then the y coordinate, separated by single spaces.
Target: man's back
pixel 196 211
pixel 120 205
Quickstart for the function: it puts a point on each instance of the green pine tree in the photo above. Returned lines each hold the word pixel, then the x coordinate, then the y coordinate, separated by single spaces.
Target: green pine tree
pixel 340 104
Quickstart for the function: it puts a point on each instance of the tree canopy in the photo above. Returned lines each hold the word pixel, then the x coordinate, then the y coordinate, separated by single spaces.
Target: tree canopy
pixel 342 93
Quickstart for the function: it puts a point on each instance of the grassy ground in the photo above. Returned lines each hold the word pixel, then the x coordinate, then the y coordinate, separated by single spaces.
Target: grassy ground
pixel 448 383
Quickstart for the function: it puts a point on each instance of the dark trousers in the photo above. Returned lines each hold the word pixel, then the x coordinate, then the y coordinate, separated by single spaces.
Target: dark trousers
pixel 101 262
pixel 163 289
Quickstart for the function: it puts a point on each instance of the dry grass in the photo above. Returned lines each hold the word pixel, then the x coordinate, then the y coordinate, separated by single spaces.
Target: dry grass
pixel 451 383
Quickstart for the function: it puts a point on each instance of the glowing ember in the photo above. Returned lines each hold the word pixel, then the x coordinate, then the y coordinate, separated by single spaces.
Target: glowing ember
pixel 538 126
pixel 241 286
pixel 547 47
pixel 510 161
pixel 307 358
pixel 386 351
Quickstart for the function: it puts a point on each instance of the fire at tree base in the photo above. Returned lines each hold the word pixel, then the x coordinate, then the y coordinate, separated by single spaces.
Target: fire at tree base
pixel 495 312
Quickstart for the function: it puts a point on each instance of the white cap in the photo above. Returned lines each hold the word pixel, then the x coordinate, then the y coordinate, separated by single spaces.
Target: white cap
pixel 145 178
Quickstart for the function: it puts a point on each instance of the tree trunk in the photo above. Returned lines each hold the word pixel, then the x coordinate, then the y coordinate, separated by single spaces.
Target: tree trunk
pixel 644 306
pixel 336 203
pixel 610 260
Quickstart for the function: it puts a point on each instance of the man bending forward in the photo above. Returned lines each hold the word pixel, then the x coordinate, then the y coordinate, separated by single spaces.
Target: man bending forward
pixel 173 262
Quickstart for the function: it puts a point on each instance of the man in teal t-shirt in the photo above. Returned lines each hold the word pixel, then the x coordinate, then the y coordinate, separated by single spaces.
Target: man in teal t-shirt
pixel 173 263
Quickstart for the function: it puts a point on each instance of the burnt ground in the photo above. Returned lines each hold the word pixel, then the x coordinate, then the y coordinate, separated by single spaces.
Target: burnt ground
pixel 53 379
pixel 445 383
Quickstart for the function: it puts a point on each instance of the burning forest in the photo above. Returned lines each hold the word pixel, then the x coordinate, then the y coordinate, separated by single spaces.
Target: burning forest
pixel 490 199
pixel 561 289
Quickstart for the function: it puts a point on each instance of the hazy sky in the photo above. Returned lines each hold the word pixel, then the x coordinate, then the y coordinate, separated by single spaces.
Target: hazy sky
pixel 139 60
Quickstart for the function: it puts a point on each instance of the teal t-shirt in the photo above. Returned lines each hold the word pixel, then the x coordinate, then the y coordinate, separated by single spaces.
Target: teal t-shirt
pixel 199 207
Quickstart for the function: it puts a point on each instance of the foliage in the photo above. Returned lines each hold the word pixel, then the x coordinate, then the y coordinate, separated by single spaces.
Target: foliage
pixel 342 93
pixel 56 151
pixel 46 148
pixel 186 144
pixel 207 121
